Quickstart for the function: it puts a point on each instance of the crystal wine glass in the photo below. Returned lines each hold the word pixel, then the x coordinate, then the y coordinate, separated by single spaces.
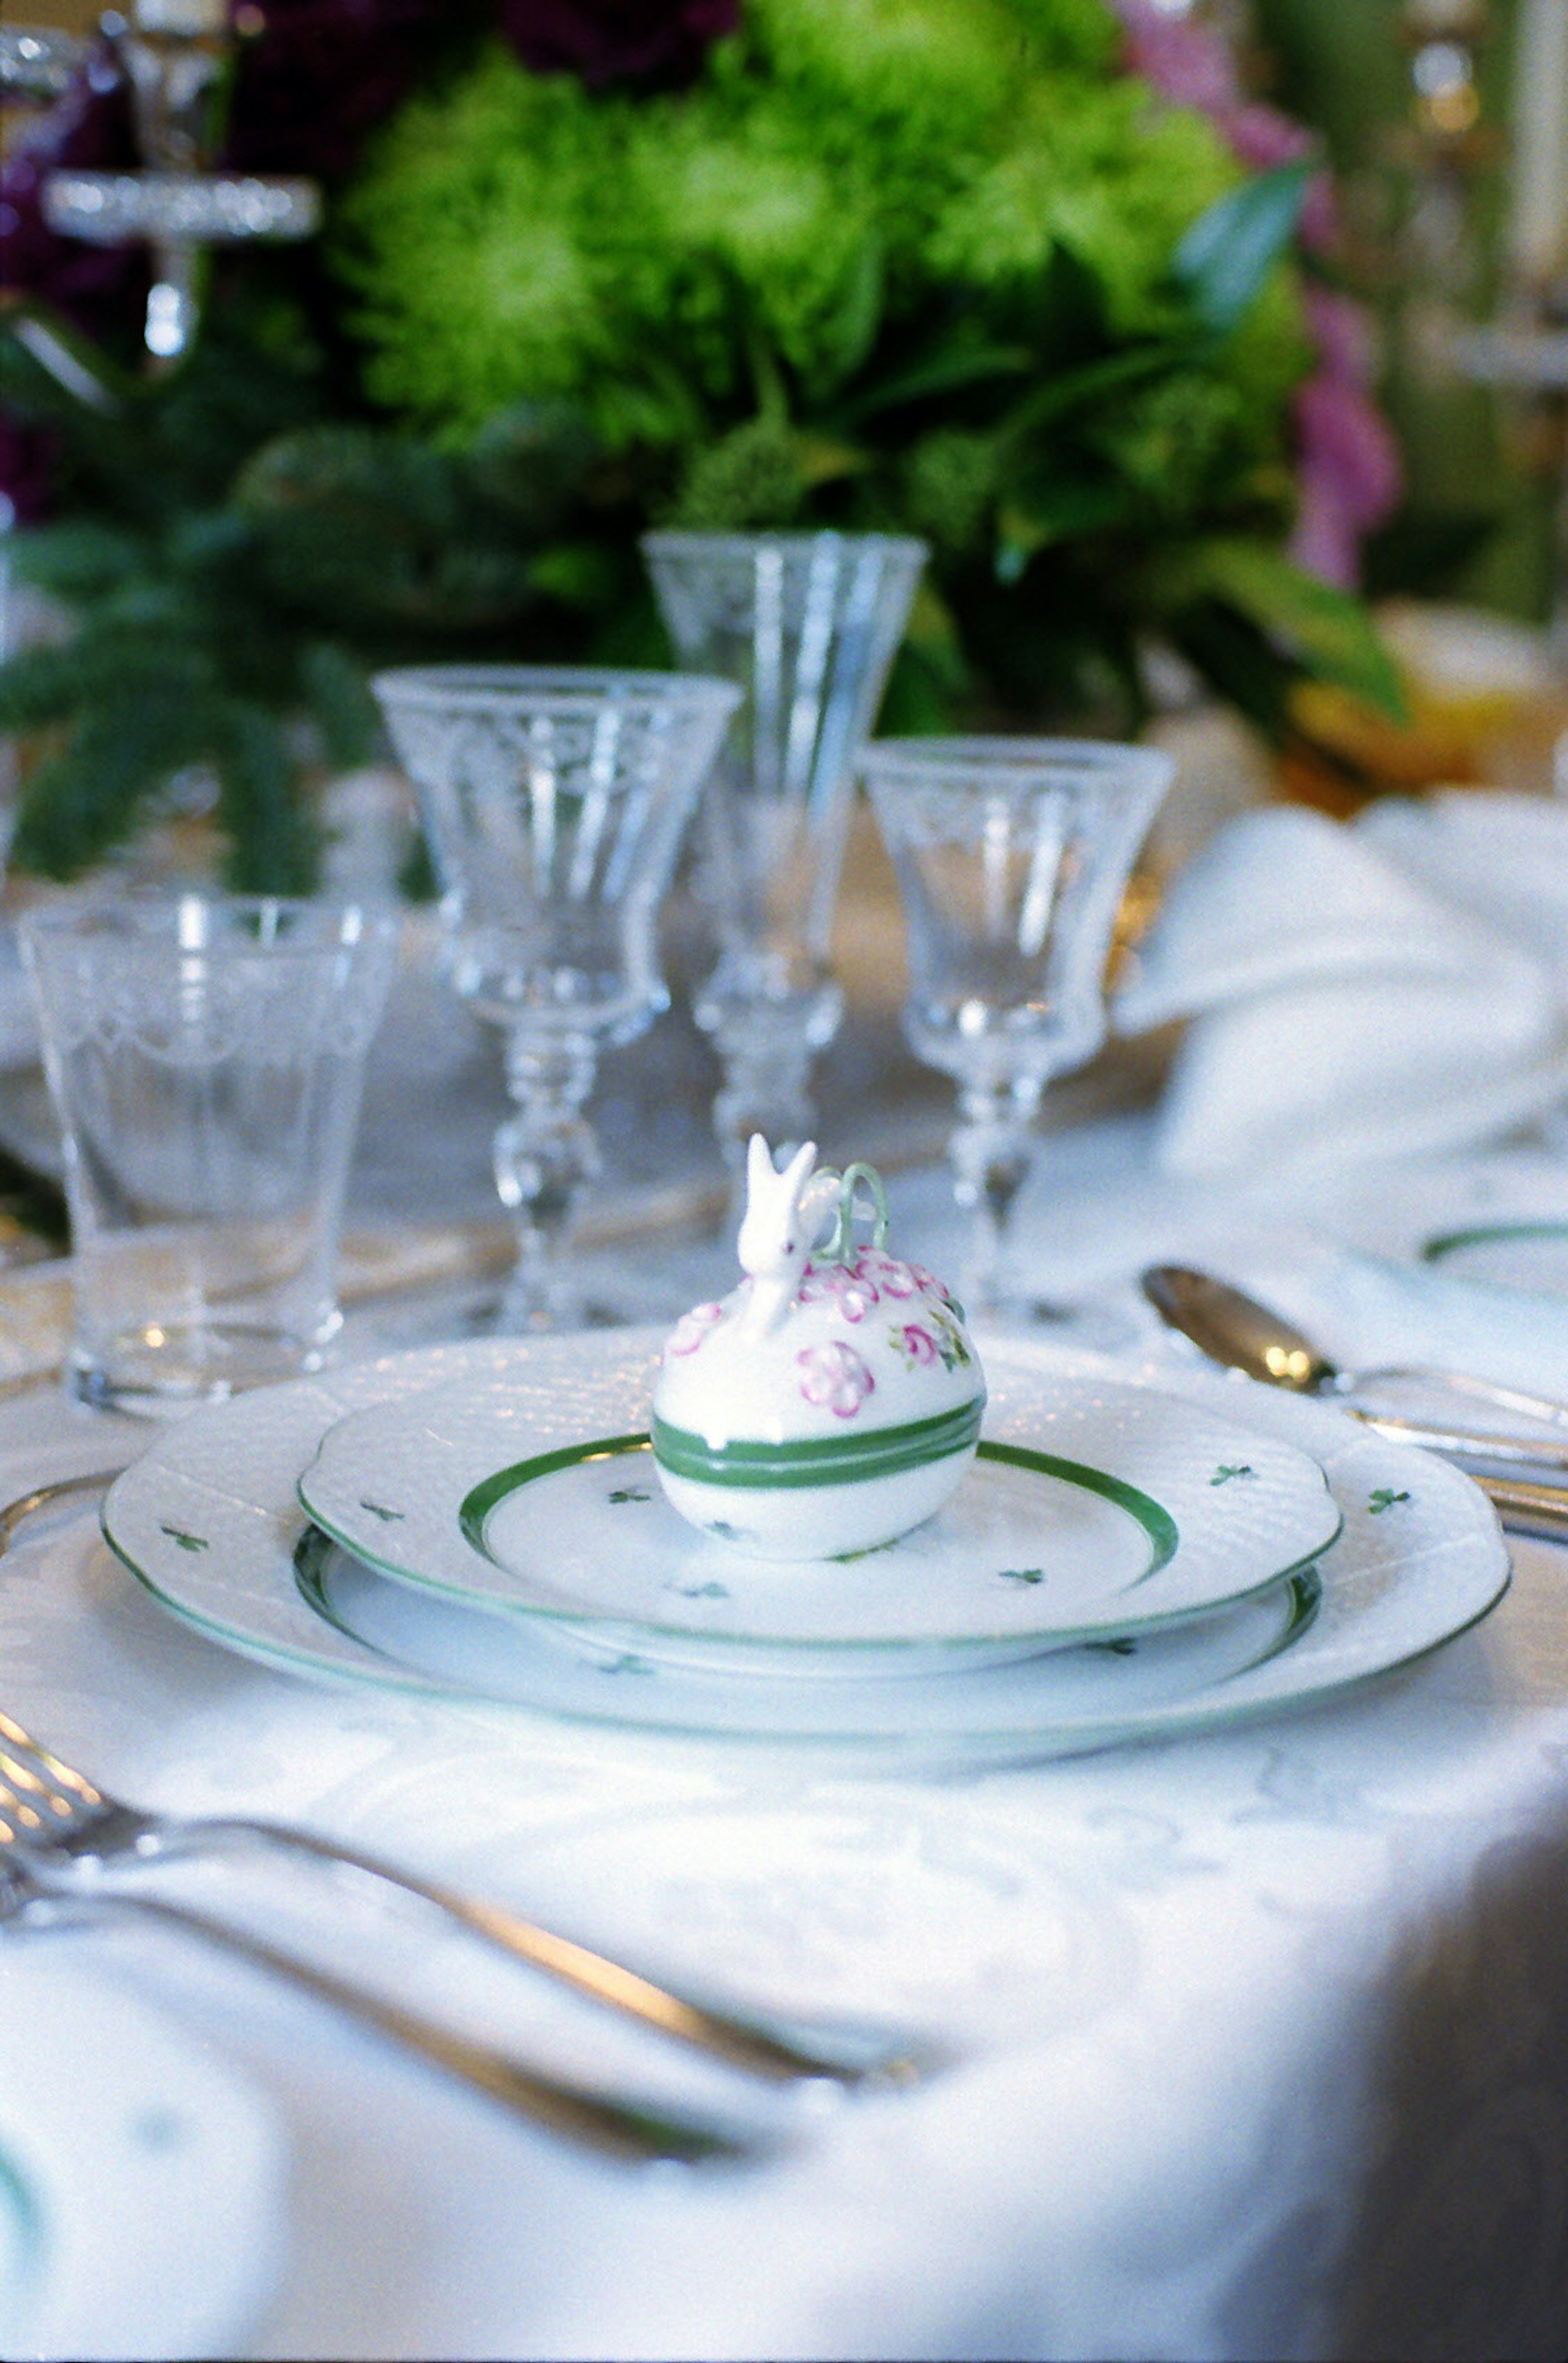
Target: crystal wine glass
pixel 554 802
pixel 1011 856
pixel 807 625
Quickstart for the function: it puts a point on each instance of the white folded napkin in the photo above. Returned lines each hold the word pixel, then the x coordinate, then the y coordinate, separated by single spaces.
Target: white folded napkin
pixel 1381 988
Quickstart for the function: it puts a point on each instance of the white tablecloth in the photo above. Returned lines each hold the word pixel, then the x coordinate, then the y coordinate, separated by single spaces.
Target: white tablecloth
pixel 1259 2041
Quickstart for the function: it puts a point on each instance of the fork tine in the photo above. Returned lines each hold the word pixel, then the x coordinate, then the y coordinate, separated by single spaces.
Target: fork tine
pixel 61 1774
pixel 81 1812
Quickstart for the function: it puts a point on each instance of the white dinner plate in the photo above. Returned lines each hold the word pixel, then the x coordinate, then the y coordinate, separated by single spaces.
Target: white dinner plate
pixel 142 2183
pixel 209 1520
pixel 1094 1510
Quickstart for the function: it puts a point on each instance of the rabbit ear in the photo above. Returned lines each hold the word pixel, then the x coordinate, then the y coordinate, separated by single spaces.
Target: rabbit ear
pixel 798 1172
pixel 758 1167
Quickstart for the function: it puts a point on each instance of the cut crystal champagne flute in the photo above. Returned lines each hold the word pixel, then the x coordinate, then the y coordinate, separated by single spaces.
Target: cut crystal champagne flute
pixel 1011 856
pixel 553 803
pixel 807 625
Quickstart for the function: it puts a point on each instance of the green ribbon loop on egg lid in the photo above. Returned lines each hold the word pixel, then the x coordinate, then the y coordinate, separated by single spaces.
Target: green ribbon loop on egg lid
pixel 840 1247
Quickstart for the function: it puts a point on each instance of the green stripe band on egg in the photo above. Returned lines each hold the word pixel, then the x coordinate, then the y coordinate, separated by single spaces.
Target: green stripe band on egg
pixel 819 1460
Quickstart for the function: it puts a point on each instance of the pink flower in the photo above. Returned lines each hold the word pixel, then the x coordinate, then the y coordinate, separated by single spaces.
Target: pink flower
pixel 916 1345
pixel 693 1327
pixel 836 1377
pixel 894 1279
pixel 853 1295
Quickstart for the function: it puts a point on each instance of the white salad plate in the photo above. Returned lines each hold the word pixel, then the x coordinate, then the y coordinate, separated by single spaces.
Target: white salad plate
pixel 142 2185
pixel 1498 1216
pixel 1093 1509
pixel 209 1520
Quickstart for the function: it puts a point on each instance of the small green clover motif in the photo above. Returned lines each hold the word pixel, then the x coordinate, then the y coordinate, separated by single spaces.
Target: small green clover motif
pixel 1382 1497
pixel 629 1493
pixel 186 1542
pixel 379 1510
pixel 1020 1575
pixel 951 1346
pixel 627 1664
pixel 1124 1646
pixel 711 1590
pixel 1229 1468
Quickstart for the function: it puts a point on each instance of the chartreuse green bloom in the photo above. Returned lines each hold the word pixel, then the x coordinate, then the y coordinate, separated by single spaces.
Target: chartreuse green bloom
pixel 680 264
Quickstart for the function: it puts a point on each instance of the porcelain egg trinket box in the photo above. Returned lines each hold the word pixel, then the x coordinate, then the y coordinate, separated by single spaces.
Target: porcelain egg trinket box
pixel 830 1404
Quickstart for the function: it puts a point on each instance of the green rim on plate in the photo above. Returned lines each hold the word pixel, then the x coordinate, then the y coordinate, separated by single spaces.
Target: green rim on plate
pixel 1486 1234
pixel 479 1505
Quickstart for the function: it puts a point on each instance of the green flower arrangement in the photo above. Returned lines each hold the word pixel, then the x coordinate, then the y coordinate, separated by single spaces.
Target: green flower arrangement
pixel 898 264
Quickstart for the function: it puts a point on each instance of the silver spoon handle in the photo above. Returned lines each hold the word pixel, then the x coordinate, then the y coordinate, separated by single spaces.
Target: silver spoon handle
pixel 1459 1383
pixel 1525 1509
pixel 622 2129
pixel 1467 1445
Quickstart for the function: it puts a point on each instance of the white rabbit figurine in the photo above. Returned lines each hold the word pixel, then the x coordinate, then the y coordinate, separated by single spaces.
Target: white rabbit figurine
pixel 830 1404
pixel 783 1213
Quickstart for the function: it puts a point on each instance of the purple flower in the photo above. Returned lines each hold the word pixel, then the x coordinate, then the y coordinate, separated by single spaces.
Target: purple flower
pixel 836 1377
pixel 1187 61
pixel 1348 459
pixel 648 41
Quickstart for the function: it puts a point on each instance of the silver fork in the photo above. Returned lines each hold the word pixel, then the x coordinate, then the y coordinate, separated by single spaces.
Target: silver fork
pixel 622 2129
pixel 48 1804
pixel 58 1824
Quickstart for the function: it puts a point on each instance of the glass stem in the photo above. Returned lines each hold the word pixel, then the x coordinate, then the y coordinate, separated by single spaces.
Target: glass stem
pixel 766 1089
pixel 544 1155
pixel 992 1150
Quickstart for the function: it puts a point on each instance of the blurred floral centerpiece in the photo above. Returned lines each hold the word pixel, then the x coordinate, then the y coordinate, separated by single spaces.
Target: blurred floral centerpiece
pixel 1032 277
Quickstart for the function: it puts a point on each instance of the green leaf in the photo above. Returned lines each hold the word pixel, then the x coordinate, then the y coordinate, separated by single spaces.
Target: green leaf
pixel 82 804
pixel 273 847
pixel 851 335
pixel 39 685
pixel 78 558
pixel 1086 388
pixel 1066 510
pixel 341 703
pixel 1327 631
pixel 949 372
pixel 1238 662
pixel 1228 253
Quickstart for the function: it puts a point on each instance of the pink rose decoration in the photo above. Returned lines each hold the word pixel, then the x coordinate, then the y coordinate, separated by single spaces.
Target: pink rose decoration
pixel 836 1377
pixel 894 1279
pixel 916 1345
pixel 853 1295
pixel 693 1327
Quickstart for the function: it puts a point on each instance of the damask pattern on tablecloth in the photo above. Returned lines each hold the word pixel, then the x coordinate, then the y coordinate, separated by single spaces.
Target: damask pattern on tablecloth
pixel 1262 2041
